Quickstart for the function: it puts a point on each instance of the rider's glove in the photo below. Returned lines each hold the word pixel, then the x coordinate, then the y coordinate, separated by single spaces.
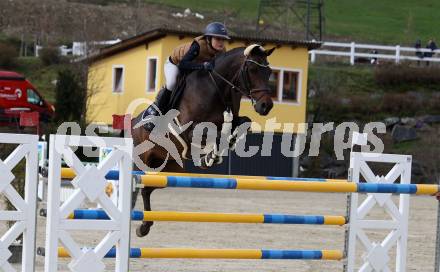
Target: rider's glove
pixel 208 66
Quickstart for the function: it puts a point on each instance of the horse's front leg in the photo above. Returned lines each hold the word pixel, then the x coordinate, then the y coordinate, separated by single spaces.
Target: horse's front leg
pixel 215 156
pixel 144 228
pixel 240 127
pixel 227 139
pixel 218 150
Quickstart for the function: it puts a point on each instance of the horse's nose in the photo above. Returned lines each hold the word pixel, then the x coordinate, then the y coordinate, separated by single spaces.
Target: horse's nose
pixel 269 107
pixel 265 107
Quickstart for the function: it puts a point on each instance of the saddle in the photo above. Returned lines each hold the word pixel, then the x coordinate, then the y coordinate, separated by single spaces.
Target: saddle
pixel 173 102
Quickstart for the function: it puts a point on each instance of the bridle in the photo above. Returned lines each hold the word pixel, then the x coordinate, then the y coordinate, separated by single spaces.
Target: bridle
pixel 243 75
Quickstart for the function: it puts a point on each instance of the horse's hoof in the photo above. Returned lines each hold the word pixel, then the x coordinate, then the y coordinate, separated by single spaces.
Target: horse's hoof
pixel 143 229
pixel 218 160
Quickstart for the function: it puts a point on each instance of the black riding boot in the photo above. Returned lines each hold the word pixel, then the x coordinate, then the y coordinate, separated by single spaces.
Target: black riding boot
pixel 162 101
pixel 159 107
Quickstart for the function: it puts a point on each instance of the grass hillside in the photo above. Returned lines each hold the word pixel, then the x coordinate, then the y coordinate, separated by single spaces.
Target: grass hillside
pixel 375 21
pixel 387 22
pixel 42 77
pixel 246 8
pixel 340 92
pixel 390 21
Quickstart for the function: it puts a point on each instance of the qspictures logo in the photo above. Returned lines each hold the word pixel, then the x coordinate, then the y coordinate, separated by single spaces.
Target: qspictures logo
pixel 210 143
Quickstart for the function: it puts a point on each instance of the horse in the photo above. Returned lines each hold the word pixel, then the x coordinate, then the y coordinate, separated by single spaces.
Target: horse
pixel 207 95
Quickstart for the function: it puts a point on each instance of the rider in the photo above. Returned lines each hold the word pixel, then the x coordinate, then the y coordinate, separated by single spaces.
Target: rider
pixel 195 55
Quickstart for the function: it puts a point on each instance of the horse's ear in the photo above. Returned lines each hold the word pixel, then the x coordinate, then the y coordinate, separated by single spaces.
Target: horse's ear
pixel 269 52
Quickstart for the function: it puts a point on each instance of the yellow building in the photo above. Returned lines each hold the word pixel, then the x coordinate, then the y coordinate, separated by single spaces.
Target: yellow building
pixel 133 69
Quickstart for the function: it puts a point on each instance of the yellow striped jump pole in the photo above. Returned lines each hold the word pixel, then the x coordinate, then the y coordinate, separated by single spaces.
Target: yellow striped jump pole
pixel 68 173
pixel 215 217
pixel 204 253
pixel 285 185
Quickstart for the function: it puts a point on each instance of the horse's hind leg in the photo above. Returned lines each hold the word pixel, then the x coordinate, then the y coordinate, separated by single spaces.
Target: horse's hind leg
pixel 144 228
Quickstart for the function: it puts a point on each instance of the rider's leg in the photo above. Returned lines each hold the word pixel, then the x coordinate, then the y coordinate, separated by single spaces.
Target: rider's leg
pixel 163 97
pixel 171 73
pixel 162 100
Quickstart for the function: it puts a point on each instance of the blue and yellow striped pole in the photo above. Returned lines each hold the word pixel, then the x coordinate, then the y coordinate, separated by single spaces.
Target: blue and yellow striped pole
pixel 284 185
pixel 192 253
pixel 68 173
pixel 216 217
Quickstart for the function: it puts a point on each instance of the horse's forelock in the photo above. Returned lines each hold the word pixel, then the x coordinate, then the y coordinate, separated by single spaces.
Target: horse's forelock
pixel 253 48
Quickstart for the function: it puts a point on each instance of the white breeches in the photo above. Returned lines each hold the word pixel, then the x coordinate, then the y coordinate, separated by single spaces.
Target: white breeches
pixel 171 74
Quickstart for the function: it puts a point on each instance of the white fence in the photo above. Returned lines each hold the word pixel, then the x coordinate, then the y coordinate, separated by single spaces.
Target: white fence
pixel 78 48
pixel 353 51
pixel 89 186
pixel 23 213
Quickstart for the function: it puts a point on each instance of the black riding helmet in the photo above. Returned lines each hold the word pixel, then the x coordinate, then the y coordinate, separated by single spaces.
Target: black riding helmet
pixel 216 29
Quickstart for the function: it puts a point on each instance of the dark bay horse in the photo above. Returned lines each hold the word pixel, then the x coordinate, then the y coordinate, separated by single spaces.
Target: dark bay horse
pixel 206 96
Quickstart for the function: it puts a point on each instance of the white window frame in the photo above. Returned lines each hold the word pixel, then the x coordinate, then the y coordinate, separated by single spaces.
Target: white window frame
pixel 114 67
pixel 281 71
pixel 278 97
pixel 147 76
pixel 280 87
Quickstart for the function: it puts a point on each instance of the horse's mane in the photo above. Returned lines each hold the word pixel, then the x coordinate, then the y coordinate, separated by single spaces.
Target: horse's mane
pixel 240 50
pixel 230 52
pixel 237 53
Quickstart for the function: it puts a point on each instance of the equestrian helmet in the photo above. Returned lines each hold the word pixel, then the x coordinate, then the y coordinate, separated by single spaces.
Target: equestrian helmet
pixel 216 29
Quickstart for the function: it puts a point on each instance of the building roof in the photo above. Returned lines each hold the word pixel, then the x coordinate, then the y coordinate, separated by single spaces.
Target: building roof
pixel 158 33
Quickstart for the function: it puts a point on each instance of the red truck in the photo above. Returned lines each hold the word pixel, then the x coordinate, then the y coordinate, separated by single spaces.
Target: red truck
pixel 17 95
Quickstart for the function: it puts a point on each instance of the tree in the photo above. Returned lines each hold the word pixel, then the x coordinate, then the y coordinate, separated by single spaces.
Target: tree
pixel 50 55
pixel 70 94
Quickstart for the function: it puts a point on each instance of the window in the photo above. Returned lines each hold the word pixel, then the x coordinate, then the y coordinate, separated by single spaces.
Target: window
pixel 151 74
pixel 274 79
pixel 285 85
pixel 33 97
pixel 118 79
pixel 290 86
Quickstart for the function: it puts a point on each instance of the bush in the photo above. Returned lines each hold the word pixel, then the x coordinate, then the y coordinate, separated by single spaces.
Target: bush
pixel 404 74
pixel 50 55
pixel 434 103
pixel 8 55
pixel 402 104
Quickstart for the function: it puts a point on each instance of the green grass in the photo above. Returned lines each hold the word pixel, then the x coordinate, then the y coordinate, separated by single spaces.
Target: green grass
pixel 359 79
pixel 39 75
pixel 406 147
pixel 389 21
pixel 247 9
pixel 369 100
pixel 376 21
pixel 349 79
pixel 3 37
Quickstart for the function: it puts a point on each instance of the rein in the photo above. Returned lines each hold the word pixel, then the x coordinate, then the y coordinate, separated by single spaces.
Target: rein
pixel 242 73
